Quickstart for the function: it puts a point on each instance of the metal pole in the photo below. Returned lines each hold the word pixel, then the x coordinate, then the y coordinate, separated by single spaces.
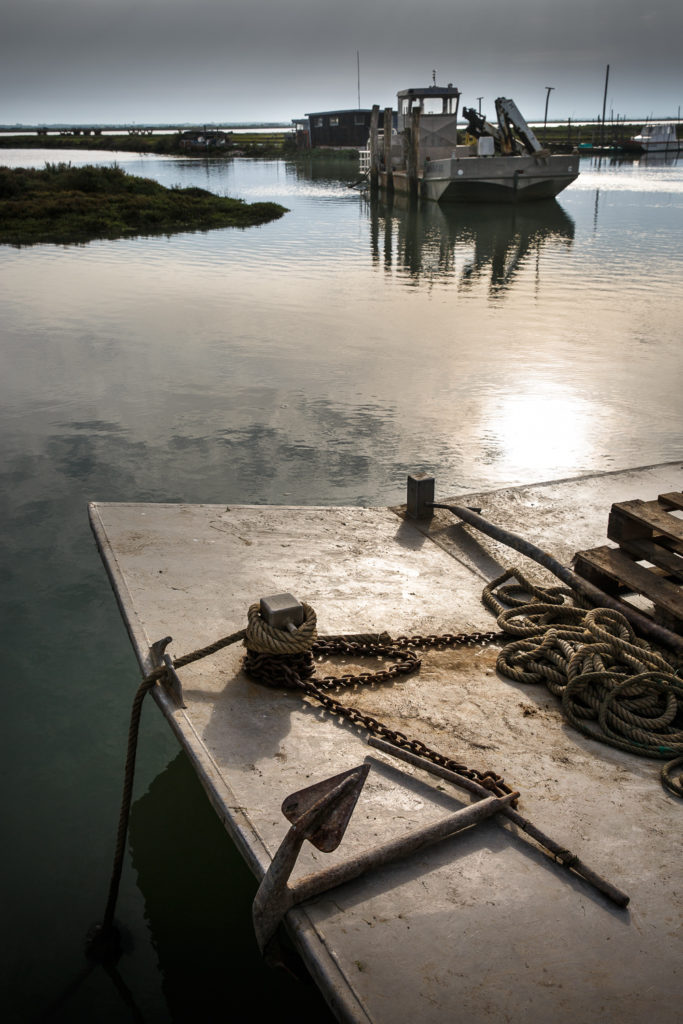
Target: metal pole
pixel 479 99
pixel 549 89
pixel 604 105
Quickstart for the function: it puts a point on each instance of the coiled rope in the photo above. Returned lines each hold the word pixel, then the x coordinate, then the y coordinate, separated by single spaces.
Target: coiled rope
pixel 612 686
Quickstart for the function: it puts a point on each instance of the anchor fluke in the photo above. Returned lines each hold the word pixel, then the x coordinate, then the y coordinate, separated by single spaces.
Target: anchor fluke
pixel 319 813
pixel 326 807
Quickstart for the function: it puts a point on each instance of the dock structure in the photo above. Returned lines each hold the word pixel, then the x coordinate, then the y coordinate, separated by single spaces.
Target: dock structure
pixel 480 925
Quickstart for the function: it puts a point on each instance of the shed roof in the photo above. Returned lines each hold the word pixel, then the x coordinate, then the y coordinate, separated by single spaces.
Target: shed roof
pixel 352 110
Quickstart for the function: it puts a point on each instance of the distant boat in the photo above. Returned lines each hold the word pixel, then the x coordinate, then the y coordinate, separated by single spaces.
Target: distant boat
pixel 503 162
pixel 656 137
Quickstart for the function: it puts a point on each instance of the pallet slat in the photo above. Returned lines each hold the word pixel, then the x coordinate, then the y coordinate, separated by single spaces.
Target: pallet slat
pixel 672 501
pixel 616 565
pixel 640 520
pixel 645 531
pixel 647 551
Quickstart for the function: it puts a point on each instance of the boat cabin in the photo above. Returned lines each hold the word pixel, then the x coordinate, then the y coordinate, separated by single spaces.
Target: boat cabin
pixel 438 106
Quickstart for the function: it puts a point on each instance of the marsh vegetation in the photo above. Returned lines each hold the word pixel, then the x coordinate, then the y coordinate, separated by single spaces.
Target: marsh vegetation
pixel 63 204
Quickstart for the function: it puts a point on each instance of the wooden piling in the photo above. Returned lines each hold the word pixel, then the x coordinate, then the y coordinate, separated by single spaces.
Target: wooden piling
pixel 413 154
pixel 388 168
pixel 374 148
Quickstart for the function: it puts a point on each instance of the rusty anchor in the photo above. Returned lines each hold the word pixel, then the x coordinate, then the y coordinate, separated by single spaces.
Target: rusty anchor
pixel 321 814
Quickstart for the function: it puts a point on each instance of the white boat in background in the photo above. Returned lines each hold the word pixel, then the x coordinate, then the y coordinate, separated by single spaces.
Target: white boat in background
pixel 657 137
pixel 502 162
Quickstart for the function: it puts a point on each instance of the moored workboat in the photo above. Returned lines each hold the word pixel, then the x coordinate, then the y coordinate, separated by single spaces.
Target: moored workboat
pixel 502 162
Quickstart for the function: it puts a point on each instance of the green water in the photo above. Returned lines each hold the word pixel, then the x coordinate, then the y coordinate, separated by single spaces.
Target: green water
pixel 314 360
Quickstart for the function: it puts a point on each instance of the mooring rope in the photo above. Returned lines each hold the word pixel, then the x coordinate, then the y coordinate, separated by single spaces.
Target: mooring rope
pixel 612 686
pixel 103 940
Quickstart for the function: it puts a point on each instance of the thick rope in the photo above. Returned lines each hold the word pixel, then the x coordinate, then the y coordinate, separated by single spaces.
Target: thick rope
pixel 612 685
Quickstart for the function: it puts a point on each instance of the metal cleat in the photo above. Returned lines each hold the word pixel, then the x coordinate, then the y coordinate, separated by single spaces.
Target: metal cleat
pixel 171 680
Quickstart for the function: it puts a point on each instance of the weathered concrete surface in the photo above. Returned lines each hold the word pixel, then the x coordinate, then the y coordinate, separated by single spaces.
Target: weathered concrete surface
pixel 481 927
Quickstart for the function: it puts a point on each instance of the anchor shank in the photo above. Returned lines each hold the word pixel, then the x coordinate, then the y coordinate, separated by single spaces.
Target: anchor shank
pixel 565 857
pixel 312 885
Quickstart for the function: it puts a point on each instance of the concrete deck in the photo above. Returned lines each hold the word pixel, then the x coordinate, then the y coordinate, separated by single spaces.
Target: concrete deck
pixel 482 926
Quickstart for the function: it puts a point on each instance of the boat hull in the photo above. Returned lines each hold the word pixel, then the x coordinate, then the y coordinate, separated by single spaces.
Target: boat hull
pixel 513 179
pixel 661 147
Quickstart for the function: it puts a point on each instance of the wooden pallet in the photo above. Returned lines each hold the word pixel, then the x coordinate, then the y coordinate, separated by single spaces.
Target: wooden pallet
pixel 647 532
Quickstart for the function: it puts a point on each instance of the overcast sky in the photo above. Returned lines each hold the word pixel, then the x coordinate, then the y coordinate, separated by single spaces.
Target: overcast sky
pixel 153 61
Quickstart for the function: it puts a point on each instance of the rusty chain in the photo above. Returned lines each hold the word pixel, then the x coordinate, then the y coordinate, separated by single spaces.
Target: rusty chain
pixel 298 672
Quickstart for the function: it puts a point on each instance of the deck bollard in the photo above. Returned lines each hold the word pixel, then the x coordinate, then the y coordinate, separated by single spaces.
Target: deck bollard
pixel 420 495
pixel 282 611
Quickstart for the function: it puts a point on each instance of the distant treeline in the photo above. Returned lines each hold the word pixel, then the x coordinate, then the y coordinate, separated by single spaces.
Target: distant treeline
pixel 273 143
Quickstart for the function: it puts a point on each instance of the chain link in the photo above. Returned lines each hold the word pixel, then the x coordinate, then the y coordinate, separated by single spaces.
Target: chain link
pixel 281 671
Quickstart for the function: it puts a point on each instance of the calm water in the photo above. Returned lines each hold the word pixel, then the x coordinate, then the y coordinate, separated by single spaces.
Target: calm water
pixel 317 359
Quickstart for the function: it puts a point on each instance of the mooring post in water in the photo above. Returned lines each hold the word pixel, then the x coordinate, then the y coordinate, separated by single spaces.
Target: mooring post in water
pixel 388 168
pixel 374 148
pixel 413 154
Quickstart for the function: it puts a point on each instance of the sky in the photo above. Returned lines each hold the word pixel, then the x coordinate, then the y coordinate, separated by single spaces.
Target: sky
pixel 218 61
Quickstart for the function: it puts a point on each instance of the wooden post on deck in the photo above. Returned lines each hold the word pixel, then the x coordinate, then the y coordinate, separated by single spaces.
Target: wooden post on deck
pixel 413 154
pixel 374 148
pixel 388 168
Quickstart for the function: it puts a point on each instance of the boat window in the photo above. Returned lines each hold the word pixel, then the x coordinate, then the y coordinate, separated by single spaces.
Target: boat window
pixel 318 122
pixel 432 105
pixel 334 121
pixel 359 119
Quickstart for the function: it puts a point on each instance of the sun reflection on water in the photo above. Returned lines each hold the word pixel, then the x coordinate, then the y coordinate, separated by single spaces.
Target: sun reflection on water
pixel 544 425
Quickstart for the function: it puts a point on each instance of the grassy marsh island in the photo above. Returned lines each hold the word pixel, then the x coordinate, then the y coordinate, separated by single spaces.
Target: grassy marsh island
pixel 62 204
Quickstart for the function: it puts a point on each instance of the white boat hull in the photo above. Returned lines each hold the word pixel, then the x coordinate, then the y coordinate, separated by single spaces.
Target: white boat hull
pixel 497 179
pixel 661 147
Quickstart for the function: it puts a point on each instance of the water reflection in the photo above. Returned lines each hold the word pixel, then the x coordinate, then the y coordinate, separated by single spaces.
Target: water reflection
pixel 464 243
pixel 198 893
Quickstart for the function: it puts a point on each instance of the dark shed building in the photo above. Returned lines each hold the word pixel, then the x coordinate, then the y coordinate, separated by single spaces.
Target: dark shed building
pixel 340 127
